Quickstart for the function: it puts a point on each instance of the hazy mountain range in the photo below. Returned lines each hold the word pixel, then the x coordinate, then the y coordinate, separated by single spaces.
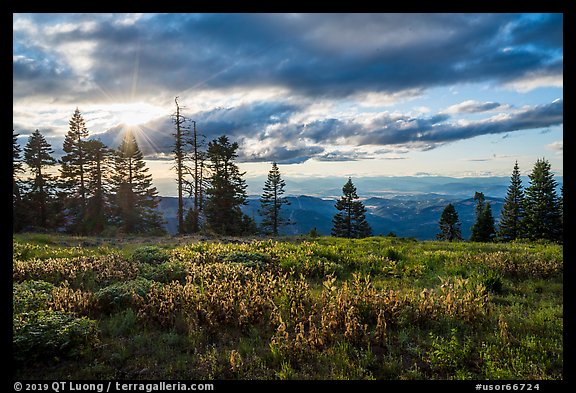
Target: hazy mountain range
pixel 407 216
pixel 408 206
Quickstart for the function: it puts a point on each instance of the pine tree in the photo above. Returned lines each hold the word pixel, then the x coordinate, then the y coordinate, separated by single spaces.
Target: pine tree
pixel 350 222
pixel 483 229
pixel 226 191
pixel 510 227
pixel 98 167
pixel 40 203
pixel 135 200
pixel 73 172
pixel 541 208
pixel 272 200
pixel 449 224
pixel 17 170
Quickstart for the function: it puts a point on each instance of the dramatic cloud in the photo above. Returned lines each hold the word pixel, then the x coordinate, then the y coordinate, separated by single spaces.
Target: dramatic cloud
pixel 311 54
pixel 289 87
pixel 265 132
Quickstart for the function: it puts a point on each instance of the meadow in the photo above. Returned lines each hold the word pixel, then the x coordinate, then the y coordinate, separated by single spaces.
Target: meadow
pixel 292 308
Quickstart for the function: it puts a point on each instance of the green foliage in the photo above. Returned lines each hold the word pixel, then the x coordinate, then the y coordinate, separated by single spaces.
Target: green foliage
pixel 510 225
pixel 48 335
pixel 120 296
pixel 271 202
pixel 31 296
pixel 449 224
pixel 150 254
pixel 332 308
pixel 350 221
pixel 483 229
pixel 542 214
pixel 449 354
pixel 227 190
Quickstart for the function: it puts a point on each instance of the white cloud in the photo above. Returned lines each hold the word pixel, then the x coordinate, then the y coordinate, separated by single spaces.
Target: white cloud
pixel 557 146
pixel 532 81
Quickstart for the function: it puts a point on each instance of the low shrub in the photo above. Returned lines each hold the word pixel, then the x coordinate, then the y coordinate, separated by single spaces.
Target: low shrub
pixel 150 254
pixel 48 335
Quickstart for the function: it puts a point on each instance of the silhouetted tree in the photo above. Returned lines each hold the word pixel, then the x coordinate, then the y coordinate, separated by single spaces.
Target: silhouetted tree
pixel 135 200
pixel 272 200
pixel 180 154
pixel 449 224
pixel 351 221
pixel 17 170
pixel 73 173
pixel 510 226
pixel 98 167
pixel 40 202
pixel 198 183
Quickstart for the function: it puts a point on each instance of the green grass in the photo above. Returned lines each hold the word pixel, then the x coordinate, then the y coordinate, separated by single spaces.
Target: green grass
pixel 292 308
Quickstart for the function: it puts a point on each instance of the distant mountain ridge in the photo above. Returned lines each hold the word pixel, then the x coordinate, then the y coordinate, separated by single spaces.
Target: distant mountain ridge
pixel 414 215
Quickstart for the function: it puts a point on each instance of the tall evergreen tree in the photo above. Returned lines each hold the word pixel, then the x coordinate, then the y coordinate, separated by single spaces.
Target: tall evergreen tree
pixel 510 226
pixel 17 170
pixel 40 200
pixel 351 221
pixel 272 201
pixel 449 224
pixel 483 229
pixel 541 208
pixel 135 199
pixel 73 172
pixel 98 167
pixel 227 190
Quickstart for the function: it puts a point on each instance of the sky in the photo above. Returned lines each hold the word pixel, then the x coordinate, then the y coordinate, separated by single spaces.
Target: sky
pixel 324 95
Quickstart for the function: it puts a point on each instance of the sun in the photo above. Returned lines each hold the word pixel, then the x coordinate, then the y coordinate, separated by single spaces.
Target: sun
pixel 135 114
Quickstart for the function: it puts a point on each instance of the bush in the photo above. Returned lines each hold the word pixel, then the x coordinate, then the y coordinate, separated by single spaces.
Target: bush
pixel 150 254
pixel 46 335
pixel 119 296
pixel 31 295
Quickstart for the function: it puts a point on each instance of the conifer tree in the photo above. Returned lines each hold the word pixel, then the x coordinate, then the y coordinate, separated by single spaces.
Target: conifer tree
pixel 272 200
pixel 40 203
pixel 17 170
pixel 510 226
pixel 541 208
pixel 350 222
pixel 135 199
pixel 226 192
pixel 483 229
pixel 98 167
pixel 73 172
pixel 449 224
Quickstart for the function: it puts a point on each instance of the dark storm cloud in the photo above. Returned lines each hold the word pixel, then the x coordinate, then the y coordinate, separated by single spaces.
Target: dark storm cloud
pixel 547 32
pixel 312 54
